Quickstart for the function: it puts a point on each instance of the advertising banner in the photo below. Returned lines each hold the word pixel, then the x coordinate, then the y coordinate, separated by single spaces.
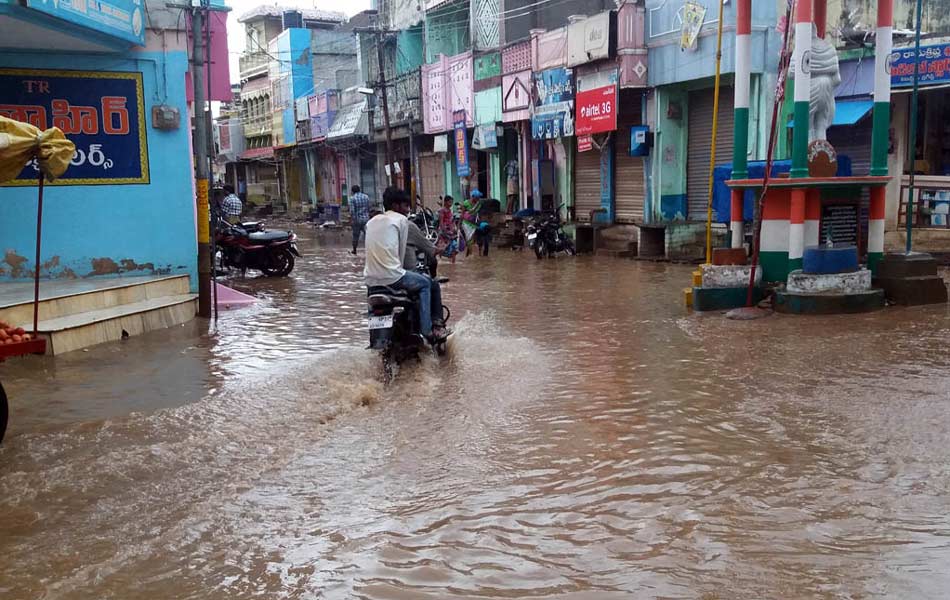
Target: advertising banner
pixel 461 144
pixel 553 114
pixel 122 19
pixel 597 110
pixel 693 16
pixel 934 65
pixel 103 113
pixel 584 143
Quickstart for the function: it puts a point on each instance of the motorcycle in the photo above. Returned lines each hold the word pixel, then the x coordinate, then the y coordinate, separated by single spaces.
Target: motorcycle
pixel 252 246
pixel 394 322
pixel 425 221
pixel 546 237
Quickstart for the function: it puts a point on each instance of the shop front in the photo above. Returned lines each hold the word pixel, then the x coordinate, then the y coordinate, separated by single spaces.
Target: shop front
pixel 552 126
pixel 516 100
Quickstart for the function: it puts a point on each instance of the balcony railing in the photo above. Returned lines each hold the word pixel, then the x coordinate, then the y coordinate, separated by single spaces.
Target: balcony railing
pixel 252 64
pixel 262 125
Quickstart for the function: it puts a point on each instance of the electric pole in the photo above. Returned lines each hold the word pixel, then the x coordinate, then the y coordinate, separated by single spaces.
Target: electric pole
pixel 390 168
pixel 202 171
pixel 201 143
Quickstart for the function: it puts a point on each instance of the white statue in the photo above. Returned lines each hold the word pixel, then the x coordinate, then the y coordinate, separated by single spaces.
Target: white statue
pixel 825 79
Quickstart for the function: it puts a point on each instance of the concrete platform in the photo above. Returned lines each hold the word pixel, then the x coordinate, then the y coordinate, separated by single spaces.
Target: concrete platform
pixel 829 303
pixel 729 276
pixel 829 283
pixel 911 279
pixel 75 314
pixel 707 299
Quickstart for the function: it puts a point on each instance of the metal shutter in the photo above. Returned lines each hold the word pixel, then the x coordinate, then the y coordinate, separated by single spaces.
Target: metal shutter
pixel 629 186
pixel 700 113
pixel 586 184
pixel 368 180
pixel 432 174
pixel 855 142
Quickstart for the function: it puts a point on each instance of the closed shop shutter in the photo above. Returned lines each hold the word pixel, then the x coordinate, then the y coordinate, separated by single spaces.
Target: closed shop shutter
pixel 855 142
pixel 629 184
pixel 432 173
pixel 586 184
pixel 700 119
pixel 368 180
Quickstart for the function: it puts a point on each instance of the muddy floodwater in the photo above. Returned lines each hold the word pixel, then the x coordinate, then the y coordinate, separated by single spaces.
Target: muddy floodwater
pixel 585 439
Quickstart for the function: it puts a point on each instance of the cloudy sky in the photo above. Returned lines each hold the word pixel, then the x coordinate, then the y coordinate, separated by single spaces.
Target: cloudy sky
pixel 239 7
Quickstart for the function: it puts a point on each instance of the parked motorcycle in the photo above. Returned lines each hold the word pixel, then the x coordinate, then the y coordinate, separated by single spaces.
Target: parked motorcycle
pixel 394 322
pixel 547 238
pixel 252 246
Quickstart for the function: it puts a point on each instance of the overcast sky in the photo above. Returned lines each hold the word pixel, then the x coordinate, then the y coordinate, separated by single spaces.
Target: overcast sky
pixel 239 7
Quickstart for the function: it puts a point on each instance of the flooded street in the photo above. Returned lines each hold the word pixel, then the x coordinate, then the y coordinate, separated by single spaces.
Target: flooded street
pixel 585 439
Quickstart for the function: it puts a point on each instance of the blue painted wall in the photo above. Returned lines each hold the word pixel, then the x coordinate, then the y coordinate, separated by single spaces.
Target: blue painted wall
pixel 296 62
pixel 111 229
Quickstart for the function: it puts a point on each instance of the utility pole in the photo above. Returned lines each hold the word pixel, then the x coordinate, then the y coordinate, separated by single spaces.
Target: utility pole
pixel 201 143
pixel 201 162
pixel 382 85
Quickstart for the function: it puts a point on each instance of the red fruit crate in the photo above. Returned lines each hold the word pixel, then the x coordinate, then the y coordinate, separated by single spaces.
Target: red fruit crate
pixel 23 348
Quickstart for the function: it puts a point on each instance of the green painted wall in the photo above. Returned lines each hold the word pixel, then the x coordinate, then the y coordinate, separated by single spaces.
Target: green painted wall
pixel 669 179
pixel 409 50
pixel 447 31
pixel 488 106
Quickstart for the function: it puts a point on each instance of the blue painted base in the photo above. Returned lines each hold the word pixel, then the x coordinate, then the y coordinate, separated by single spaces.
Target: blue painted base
pixel 819 260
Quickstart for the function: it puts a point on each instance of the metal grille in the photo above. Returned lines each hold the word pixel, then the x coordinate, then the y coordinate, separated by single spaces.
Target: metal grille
pixel 516 58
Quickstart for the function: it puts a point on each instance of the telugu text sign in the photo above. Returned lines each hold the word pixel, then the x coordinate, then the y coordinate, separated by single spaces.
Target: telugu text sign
pixel 553 113
pixel 934 65
pixel 103 113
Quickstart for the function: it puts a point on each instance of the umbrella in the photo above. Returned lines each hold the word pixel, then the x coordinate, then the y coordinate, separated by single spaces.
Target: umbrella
pixel 21 143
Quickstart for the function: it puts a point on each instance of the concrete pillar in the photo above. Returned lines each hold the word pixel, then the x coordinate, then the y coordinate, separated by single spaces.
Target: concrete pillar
pixel 813 218
pixel 803 22
pixel 796 228
pixel 736 224
pixel 881 130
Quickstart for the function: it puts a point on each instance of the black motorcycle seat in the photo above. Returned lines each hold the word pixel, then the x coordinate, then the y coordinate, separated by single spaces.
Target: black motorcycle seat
pixel 385 290
pixel 251 225
pixel 268 236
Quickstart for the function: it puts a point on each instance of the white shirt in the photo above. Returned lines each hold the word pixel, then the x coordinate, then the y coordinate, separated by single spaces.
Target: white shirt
pixel 386 236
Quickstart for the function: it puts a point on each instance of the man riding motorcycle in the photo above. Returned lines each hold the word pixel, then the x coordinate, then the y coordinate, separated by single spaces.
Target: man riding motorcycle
pixel 387 237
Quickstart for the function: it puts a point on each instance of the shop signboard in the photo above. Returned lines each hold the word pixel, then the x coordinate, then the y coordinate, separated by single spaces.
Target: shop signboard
pixel 121 19
pixel 553 114
pixel 103 113
pixel 584 143
pixel 461 143
pixel 934 65
pixel 597 110
pixel 485 137
pixel 591 39
pixel 459 85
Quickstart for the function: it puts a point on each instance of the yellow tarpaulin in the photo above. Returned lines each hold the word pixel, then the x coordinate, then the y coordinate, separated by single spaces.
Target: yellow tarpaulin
pixel 21 142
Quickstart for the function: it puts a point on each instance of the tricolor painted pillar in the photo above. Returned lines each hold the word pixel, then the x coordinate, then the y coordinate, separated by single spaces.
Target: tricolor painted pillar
pixel 880 133
pixel 813 218
pixel 740 147
pixel 802 96
pixel 796 228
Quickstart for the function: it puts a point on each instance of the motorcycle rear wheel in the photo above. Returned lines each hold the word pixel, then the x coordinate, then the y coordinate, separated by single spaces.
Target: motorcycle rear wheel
pixel 4 412
pixel 278 264
pixel 539 250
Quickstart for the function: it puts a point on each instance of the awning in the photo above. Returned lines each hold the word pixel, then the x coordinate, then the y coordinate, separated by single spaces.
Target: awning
pixel 254 153
pixel 848 112
pixel 350 120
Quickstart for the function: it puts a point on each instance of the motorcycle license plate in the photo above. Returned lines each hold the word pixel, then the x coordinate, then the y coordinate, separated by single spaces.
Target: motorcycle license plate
pixel 532 236
pixel 381 322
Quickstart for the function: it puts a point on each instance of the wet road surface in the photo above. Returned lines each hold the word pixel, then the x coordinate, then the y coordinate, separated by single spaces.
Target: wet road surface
pixel 586 439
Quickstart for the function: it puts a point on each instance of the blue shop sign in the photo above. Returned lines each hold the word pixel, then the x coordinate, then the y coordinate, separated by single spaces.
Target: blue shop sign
pixel 123 19
pixel 934 65
pixel 461 144
pixel 103 113
pixel 553 114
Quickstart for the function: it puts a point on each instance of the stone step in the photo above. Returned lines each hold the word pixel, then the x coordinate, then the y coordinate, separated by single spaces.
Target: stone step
pixel 85 329
pixel 615 253
pixel 914 291
pixel 897 265
pixel 829 303
pixel 61 298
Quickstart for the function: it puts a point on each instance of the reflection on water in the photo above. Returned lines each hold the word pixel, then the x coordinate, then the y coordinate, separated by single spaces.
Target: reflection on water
pixel 584 439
